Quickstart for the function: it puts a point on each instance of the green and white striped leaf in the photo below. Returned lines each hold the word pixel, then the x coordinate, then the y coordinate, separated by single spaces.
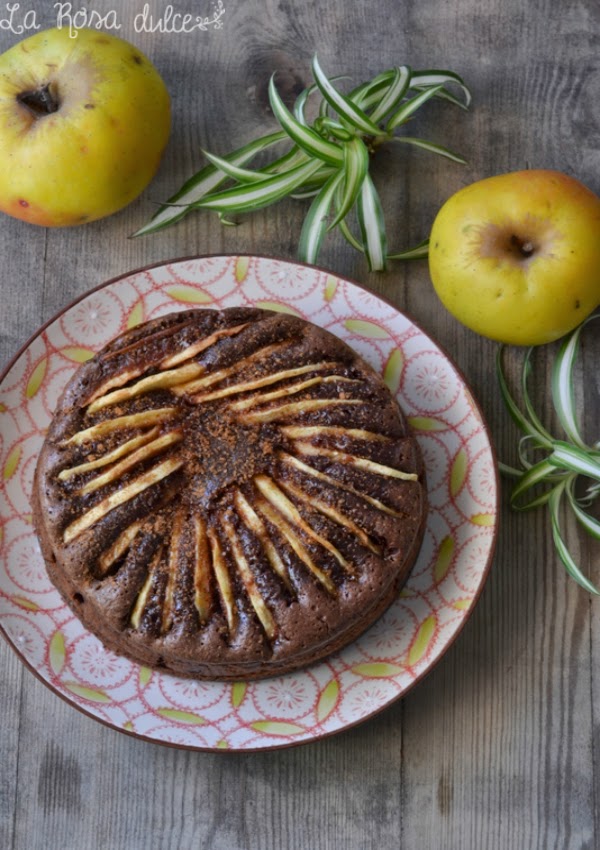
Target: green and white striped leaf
pixel 301 101
pixel 419 252
pixel 562 386
pixel 590 523
pixel 369 94
pixel 205 181
pixel 535 421
pixel 350 237
pixel 409 107
pixel 440 150
pixel 421 79
pixel 444 94
pixel 294 156
pixel 394 94
pixel 315 223
pixel 235 172
pixel 245 198
pixel 561 547
pixel 537 474
pixel 574 459
pixel 315 183
pixel 303 136
pixel 342 104
pixel 356 168
pixel 372 225
pixel 520 421
pixel 329 126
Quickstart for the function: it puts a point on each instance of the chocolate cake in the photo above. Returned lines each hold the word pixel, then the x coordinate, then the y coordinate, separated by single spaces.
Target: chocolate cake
pixel 228 494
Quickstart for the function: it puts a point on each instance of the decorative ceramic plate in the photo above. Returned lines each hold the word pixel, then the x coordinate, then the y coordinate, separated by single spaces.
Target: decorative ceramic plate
pixel 347 687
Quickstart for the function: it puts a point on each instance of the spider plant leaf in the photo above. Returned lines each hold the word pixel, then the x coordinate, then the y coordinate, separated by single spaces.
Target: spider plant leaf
pixel 574 459
pixel 203 182
pixel 254 196
pixel 246 175
pixel 350 237
pixel 562 386
pixel 519 419
pixel 444 94
pixel 394 94
pixel 235 172
pixel 535 475
pixel 420 79
pixel 529 442
pixel 342 104
pixel 537 502
pixel 440 150
pixel 561 547
pixel 369 94
pixel 372 225
pixel 356 168
pixel 315 223
pixel 305 137
pixel 509 471
pixel 314 184
pixel 409 107
pixel 419 252
pixel 334 128
pixel 299 107
pixel 590 523
pixel 293 157
pixel 533 417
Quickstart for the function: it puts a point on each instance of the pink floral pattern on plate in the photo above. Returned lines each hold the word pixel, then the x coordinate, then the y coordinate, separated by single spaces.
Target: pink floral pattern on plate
pixel 344 689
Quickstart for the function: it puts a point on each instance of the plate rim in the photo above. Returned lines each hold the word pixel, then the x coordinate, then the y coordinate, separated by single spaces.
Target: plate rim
pixel 284 744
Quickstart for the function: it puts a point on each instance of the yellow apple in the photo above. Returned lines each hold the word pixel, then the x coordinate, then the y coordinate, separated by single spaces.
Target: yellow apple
pixel 83 124
pixel 517 257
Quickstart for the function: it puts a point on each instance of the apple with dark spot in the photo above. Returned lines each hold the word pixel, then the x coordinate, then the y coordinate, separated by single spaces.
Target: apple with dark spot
pixel 83 125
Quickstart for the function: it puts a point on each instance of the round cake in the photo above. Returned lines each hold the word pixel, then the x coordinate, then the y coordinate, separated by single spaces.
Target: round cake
pixel 228 494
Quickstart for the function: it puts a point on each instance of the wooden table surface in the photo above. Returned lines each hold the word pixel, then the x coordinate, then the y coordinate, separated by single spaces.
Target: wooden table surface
pixel 499 747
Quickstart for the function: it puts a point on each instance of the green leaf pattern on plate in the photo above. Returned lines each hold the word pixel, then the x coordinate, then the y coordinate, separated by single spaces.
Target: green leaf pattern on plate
pixel 188 295
pixel 241 268
pixel 77 354
pixel 181 716
pixel 278 307
pixel 362 327
pixel 136 315
pixel 427 423
pixel 145 675
pixel 57 652
pixel 238 692
pixel 36 378
pixel 458 472
pixel 377 670
pixel 443 561
pixel 277 727
pixel 392 374
pixel 328 700
pixel 91 694
pixel 12 462
pixel 331 285
pixel 422 640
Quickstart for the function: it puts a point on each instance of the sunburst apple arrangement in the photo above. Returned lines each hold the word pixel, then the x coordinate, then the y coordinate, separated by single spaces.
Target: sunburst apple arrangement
pixel 514 257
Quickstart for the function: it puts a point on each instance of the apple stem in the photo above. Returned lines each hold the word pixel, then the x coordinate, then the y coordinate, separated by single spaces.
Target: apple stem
pixel 526 249
pixel 40 101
